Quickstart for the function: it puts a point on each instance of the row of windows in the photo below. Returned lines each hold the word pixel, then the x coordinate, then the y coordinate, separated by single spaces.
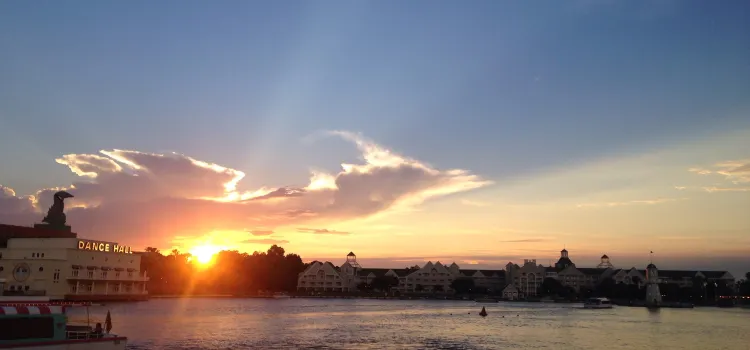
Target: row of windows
pixel 89 288
pixel 37 255
pixel 104 274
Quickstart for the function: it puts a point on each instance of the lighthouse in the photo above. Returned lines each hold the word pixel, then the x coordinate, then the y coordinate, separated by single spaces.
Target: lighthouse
pixel 653 294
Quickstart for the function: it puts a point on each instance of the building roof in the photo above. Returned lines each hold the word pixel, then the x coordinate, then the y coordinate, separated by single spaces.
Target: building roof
pixel 591 270
pixel 651 266
pixel 564 250
pixel 350 254
pixel 605 256
pixel 486 273
pixel 12 231
pixel 378 272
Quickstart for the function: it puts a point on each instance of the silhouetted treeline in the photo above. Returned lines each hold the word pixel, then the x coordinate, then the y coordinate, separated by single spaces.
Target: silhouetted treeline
pixel 231 272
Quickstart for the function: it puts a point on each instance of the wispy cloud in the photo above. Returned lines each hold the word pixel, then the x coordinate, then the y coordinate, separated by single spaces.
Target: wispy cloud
pixel 322 231
pixel 626 203
pixel 261 232
pixel 680 188
pixel 473 203
pixel 700 171
pixel 265 241
pixel 726 189
pixel 527 240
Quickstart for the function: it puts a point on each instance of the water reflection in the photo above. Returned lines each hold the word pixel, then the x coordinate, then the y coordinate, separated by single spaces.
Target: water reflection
pixel 397 324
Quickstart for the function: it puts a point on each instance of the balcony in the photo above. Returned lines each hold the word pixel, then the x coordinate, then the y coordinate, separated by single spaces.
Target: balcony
pixel 84 276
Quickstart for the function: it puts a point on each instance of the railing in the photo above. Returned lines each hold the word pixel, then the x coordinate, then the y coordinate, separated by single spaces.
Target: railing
pixel 98 277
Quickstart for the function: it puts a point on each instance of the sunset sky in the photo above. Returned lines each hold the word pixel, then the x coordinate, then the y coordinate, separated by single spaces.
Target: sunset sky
pixel 478 132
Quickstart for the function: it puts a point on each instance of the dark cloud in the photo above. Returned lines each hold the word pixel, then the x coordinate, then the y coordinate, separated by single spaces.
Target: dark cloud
pixel 145 199
pixel 322 231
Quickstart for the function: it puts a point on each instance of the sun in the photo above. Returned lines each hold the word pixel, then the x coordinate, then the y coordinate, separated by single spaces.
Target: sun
pixel 204 254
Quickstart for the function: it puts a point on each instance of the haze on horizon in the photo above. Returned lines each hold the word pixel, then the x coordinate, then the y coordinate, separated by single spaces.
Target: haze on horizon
pixel 479 133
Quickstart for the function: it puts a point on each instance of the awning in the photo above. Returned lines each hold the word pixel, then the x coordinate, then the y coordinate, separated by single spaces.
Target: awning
pixel 92 267
pixel 119 269
pixel 77 267
pixel 130 269
pixel 106 268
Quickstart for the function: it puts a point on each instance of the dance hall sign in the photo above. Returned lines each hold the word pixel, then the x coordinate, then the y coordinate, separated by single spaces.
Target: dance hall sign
pixel 103 247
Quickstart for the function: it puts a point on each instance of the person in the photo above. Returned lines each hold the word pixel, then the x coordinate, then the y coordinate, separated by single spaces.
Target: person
pixel 98 330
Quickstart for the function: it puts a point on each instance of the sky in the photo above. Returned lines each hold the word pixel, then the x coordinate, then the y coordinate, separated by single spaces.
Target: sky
pixel 478 132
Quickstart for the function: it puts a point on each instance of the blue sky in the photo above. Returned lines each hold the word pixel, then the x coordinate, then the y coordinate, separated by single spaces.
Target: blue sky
pixel 509 90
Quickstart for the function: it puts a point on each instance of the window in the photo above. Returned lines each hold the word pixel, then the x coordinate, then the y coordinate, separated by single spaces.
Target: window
pixel 117 288
pixel 42 255
pixel 104 274
pixel 130 274
pixel 75 273
pixel 90 274
pixel 41 269
pixel 89 287
pixel 117 274
pixel 56 276
pixel 74 288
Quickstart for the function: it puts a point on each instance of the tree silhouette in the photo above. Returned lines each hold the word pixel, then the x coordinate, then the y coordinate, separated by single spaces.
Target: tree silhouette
pixel 463 285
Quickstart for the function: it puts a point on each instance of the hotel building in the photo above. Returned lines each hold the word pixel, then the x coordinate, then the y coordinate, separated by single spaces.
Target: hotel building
pixel 51 262
pixel 515 282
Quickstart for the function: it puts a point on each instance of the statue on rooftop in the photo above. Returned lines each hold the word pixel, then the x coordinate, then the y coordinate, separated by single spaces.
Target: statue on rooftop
pixel 55 216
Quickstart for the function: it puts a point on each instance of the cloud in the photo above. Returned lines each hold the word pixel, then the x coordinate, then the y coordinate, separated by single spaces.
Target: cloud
pixel 265 241
pixel 736 172
pixel 139 197
pixel 700 171
pixel 322 231
pixel 527 240
pixel 680 188
pixel 261 232
pixel 472 203
pixel 637 202
pixel 726 189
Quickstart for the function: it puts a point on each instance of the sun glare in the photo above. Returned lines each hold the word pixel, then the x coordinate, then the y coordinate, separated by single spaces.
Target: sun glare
pixel 204 254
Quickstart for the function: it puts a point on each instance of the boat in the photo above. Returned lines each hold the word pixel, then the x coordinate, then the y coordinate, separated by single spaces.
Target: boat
pixel 40 327
pixel 597 303
pixel 281 295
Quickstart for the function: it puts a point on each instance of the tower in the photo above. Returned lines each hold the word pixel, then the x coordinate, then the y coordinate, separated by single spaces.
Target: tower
pixel 653 294
pixel 351 258
pixel 564 260
pixel 605 263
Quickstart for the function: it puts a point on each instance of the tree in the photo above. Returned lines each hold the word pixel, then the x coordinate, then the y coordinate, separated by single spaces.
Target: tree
pixel 438 288
pixel 418 288
pixel 606 288
pixel 384 283
pixel 462 285
pixel 550 286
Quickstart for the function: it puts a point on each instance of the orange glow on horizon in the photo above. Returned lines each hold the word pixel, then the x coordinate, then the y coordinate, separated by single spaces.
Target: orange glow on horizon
pixel 204 254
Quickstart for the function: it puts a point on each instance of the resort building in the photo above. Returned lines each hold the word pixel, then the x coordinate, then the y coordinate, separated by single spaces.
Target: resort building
pixel 430 278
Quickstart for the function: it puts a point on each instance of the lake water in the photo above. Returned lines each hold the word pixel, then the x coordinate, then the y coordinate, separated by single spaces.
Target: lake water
pixel 417 324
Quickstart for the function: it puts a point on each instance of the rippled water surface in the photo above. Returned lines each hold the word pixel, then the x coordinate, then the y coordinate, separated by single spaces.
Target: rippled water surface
pixel 417 324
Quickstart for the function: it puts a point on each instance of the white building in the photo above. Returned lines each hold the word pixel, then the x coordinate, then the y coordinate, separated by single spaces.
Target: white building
pixel 57 264
pixel 430 278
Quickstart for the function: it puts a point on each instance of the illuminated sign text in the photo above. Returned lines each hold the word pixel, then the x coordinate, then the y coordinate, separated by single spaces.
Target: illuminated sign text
pixel 104 247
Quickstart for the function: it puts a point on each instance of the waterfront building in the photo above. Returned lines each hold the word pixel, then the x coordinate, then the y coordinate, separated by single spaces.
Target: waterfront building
pixel 37 261
pixel 515 281
pixel 430 278
pixel 50 260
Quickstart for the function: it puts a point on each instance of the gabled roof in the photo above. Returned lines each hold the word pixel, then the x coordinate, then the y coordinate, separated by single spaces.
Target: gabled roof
pixel 375 271
pixel 485 273
pixel 591 271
